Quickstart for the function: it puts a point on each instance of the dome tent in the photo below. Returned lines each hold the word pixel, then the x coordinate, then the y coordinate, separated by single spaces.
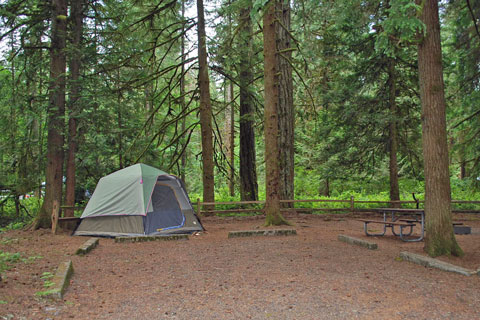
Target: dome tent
pixel 138 200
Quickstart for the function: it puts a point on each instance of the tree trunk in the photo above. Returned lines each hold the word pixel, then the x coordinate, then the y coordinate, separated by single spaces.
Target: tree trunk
pixel 440 239
pixel 248 169
pixel 229 130
pixel 183 159
pixel 461 155
pixel 286 117
pixel 325 189
pixel 205 109
pixel 77 7
pixel 121 160
pixel 56 114
pixel 272 155
pixel 393 144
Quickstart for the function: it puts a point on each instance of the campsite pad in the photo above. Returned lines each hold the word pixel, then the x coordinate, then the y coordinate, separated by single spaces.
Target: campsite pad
pixel 310 276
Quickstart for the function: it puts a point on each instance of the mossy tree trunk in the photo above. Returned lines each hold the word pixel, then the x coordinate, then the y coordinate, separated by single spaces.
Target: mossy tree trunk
pixel 76 23
pixel 205 108
pixel 248 166
pixel 393 137
pixel 272 155
pixel 56 115
pixel 440 238
pixel 286 112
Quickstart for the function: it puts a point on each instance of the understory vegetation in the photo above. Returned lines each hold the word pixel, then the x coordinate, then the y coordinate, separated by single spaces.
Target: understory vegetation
pixel 370 190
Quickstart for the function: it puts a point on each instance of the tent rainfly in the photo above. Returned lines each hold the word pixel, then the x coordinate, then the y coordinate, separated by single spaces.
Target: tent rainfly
pixel 138 200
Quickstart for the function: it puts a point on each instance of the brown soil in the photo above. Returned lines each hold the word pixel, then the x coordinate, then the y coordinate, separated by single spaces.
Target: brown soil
pixel 308 276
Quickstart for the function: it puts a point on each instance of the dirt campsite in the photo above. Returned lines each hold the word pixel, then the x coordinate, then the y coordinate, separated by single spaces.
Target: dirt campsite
pixel 310 275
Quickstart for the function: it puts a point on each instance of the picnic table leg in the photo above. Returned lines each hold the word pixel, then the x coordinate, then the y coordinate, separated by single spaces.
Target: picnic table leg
pixel 401 234
pixel 422 232
pixel 365 227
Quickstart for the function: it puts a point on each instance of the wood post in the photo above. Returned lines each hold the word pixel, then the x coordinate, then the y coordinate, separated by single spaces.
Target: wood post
pixel 352 203
pixel 199 211
pixel 55 215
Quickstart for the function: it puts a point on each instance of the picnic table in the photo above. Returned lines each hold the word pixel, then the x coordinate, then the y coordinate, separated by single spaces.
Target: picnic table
pixel 403 219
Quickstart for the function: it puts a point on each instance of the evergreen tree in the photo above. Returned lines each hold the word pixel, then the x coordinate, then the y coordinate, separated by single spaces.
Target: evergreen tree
pixel 440 239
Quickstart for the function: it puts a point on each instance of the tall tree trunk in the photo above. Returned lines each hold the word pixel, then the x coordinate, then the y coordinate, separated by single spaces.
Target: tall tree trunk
pixel 229 130
pixel 393 144
pixel 33 83
pixel 286 117
pixel 56 114
pixel 205 109
pixel 440 239
pixel 13 105
pixel 461 154
pixel 77 7
pixel 272 154
pixel 183 159
pixel 248 168
pixel 121 160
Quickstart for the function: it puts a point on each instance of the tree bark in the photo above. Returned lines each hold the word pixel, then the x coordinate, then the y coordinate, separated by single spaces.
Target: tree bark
pixel 393 142
pixel 248 169
pixel 205 109
pixel 461 154
pixel 440 239
pixel 121 160
pixel 77 7
pixel 286 117
pixel 183 159
pixel 230 135
pixel 56 114
pixel 271 82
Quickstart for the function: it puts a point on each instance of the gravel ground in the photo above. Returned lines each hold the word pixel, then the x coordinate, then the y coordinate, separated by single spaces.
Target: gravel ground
pixel 308 276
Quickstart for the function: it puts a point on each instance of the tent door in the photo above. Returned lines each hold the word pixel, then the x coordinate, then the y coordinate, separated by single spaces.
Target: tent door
pixel 165 212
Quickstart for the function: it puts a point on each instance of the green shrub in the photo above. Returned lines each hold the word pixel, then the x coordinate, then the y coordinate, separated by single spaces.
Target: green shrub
pixel 10 220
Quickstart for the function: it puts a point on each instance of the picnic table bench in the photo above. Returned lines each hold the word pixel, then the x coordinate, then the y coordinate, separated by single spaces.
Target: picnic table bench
pixel 389 224
pixel 395 217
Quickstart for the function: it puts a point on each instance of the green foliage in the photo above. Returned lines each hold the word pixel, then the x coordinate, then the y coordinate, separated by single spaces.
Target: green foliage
pixel 46 276
pixel 11 220
pixel 7 260
pixel 31 259
pixel 401 27
pixel 45 293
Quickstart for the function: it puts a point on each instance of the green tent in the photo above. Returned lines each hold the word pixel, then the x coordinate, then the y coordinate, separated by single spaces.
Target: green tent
pixel 138 200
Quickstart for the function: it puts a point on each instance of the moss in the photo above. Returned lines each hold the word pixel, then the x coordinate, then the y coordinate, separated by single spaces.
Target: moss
pixel 42 220
pixel 439 246
pixel 276 219
pixel 253 233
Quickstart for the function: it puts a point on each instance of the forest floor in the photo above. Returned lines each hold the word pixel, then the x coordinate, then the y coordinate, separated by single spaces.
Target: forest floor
pixel 308 276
